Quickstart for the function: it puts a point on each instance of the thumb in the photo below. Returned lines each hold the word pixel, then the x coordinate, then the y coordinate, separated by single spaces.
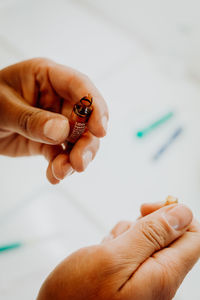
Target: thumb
pixel 150 234
pixel 33 123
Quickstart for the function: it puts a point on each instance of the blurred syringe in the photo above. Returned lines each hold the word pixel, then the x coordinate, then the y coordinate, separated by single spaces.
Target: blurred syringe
pixel 172 138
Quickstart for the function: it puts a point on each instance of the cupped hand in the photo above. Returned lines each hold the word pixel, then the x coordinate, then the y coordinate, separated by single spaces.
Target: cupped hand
pixel 36 99
pixel 147 259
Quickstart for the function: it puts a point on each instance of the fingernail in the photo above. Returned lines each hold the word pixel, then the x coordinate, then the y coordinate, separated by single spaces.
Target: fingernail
pixel 69 172
pixel 87 157
pixel 105 123
pixel 66 170
pixel 179 217
pixel 56 129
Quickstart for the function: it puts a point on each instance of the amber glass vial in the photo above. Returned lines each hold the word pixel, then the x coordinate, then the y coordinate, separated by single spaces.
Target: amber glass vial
pixel 78 120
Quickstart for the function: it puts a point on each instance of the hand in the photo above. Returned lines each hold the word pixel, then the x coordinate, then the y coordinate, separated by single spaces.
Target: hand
pixel 144 260
pixel 36 99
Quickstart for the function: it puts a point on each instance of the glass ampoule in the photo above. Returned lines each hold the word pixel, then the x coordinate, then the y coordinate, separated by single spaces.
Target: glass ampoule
pixel 78 120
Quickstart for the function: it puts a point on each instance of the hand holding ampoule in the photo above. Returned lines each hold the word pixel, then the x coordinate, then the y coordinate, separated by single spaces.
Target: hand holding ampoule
pixel 37 98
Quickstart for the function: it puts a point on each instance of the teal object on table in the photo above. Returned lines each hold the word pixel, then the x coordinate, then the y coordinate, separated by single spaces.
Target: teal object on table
pixel 156 124
pixel 12 246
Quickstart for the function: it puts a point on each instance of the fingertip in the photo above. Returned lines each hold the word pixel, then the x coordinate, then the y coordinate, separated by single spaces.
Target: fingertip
pixel 185 207
pixel 120 228
pixel 50 175
pixel 61 167
pixel 144 208
pixel 178 216
pixel 84 152
pixel 195 226
pixel 148 208
pixel 98 126
pixel 80 161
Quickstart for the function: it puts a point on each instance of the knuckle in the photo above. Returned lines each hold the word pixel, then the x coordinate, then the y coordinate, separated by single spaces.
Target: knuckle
pixel 120 227
pixel 83 81
pixel 41 61
pixel 121 223
pixel 154 232
pixel 84 76
pixel 41 65
pixel 26 120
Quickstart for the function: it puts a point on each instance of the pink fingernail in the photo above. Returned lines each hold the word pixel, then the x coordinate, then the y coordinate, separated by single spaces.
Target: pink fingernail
pixel 105 123
pixel 56 129
pixel 87 157
pixel 179 217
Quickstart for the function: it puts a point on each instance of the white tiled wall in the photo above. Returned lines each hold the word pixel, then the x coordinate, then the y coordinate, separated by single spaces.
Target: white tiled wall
pixel 143 56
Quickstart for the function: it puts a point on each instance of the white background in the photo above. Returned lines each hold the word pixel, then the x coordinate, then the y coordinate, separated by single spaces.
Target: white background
pixel 144 56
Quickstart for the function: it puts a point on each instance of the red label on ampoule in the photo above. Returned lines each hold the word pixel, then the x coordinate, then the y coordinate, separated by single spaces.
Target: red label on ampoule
pixel 77 130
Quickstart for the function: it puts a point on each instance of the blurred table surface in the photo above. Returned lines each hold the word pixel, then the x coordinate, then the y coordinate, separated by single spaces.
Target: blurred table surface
pixel 144 68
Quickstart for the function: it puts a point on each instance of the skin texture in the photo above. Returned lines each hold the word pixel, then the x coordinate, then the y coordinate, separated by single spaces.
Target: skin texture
pixel 36 91
pixel 147 259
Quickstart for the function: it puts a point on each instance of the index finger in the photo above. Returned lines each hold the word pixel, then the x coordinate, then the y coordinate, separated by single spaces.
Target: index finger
pixel 72 85
pixel 148 208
